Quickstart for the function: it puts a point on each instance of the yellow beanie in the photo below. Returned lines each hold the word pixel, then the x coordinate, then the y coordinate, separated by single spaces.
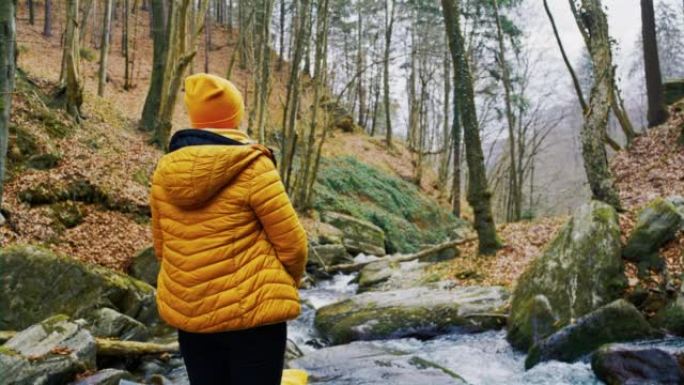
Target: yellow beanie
pixel 213 102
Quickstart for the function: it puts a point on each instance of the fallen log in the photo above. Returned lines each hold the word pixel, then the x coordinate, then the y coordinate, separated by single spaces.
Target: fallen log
pixel 110 347
pixel 352 267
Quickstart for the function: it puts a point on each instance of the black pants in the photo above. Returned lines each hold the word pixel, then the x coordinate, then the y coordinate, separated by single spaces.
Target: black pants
pixel 242 357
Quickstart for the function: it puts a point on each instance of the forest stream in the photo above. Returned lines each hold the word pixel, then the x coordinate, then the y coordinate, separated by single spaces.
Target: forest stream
pixel 480 359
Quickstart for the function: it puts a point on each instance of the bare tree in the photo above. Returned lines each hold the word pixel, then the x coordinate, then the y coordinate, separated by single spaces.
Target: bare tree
pixel 104 48
pixel 7 69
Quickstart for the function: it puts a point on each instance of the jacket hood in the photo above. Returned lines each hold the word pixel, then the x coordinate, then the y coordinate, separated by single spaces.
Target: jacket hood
pixel 193 173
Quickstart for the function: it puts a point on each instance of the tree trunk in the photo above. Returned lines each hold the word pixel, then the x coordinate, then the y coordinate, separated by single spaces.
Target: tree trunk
pixel 154 95
pixel 104 48
pixel 654 83
pixel 47 25
pixel 7 70
pixel 125 44
pixel 389 23
pixel 514 194
pixel 281 45
pixel 32 12
pixel 595 26
pixel 292 98
pixel 478 195
pixel 73 85
pixel 87 9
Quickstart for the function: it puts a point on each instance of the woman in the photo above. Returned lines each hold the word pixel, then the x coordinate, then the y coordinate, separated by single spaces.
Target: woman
pixel 231 247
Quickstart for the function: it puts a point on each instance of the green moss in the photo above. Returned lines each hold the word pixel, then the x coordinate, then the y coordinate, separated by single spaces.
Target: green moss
pixel 408 218
pixel 142 177
pixel 68 213
pixel 8 351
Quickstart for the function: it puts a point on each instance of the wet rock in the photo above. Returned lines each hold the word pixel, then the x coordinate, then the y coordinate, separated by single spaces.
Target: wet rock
pixel 38 283
pixel 292 351
pixel 424 312
pixel 145 266
pixel 616 365
pixel 359 236
pixel 50 352
pixel 105 377
pixel 385 274
pixel 618 321
pixel 330 255
pixel 109 323
pixel 657 224
pixel 580 271
pixel 369 364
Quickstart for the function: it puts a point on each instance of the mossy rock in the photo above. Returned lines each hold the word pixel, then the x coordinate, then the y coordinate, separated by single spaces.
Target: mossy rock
pixel 619 321
pixel 359 236
pixel 69 214
pixel 42 193
pixel 38 283
pixel 658 223
pixel 53 351
pixel 145 266
pixel 109 323
pixel 671 317
pixel 425 311
pixel 580 271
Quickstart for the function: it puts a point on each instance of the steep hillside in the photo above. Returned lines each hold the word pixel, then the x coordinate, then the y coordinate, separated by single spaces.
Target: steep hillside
pixel 82 190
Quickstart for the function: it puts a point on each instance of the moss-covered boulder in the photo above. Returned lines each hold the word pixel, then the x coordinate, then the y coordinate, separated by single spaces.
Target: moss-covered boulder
pixel 671 317
pixel 388 274
pixel 580 271
pixel 425 311
pixel 109 323
pixel 616 365
pixel 37 283
pixel 145 266
pixel 53 351
pixel 359 236
pixel 328 255
pixel 619 321
pixel 657 224
pixel 370 364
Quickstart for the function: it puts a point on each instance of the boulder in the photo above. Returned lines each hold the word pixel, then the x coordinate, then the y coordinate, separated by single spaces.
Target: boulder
pixel 618 321
pixel 107 376
pixel 369 364
pixel 38 283
pixel 50 352
pixel 145 266
pixel 109 323
pixel 617 365
pixel 580 271
pixel 671 317
pixel 330 255
pixel 678 202
pixel 425 311
pixel 358 236
pixel 386 274
pixel 657 224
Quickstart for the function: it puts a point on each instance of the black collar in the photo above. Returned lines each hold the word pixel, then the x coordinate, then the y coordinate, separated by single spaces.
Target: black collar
pixel 194 137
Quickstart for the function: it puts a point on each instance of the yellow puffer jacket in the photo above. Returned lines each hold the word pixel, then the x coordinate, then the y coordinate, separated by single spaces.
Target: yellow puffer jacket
pixel 231 246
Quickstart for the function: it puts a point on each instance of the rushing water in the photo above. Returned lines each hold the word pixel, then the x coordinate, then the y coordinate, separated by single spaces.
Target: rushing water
pixel 481 359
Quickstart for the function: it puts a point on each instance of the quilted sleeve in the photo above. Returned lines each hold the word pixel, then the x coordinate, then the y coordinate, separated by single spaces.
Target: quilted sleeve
pixel 156 228
pixel 270 202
